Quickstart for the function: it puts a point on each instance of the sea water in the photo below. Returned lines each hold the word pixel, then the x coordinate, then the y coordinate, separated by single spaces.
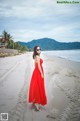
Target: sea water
pixel 73 55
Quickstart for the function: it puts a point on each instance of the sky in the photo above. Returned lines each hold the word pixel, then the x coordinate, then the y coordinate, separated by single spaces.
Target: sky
pixel 28 20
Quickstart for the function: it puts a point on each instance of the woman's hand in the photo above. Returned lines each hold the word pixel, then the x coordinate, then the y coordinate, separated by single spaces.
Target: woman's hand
pixel 42 75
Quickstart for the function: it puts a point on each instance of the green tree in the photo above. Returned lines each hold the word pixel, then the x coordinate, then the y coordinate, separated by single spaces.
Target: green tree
pixel 16 45
pixel 6 35
pixel 23 48
pixel 11 44
pixel 8 38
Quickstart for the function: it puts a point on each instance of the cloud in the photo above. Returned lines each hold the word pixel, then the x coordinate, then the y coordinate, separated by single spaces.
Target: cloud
pixel 32 19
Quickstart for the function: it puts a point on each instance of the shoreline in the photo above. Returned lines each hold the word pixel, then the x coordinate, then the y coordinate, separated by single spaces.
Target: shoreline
pixel 64 75
pixel 72 55
pixel 64 58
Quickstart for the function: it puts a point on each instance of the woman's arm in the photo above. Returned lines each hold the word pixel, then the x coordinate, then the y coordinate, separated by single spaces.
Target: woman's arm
pixel 38 61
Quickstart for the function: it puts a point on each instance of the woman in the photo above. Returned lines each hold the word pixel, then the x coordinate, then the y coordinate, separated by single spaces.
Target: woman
pixel 37 93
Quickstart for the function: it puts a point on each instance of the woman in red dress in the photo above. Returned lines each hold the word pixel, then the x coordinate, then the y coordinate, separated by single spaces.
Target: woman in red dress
pixel 37 93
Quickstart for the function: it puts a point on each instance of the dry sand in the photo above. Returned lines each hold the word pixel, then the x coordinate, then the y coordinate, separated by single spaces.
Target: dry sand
pixel 62 84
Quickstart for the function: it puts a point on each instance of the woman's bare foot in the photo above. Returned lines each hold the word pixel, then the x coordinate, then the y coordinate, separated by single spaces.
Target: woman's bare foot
pixel 37 107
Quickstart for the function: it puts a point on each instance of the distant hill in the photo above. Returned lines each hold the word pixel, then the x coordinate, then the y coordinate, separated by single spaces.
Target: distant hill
pixel 51 44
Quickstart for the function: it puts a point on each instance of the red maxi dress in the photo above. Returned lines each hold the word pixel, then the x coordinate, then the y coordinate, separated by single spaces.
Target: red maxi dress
pixel 37 88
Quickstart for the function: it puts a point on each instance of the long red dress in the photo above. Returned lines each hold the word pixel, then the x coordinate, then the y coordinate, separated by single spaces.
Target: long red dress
pixel 37 88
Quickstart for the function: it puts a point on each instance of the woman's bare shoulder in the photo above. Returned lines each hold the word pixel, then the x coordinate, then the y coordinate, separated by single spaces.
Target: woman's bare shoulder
pixel 37 58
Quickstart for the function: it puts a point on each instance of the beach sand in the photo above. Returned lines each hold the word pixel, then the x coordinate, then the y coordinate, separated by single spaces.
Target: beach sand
pixel 62 85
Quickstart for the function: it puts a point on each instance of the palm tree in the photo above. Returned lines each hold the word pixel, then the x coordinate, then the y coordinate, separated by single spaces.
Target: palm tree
pixel 11 44
pixel 4 34
pixel 8 38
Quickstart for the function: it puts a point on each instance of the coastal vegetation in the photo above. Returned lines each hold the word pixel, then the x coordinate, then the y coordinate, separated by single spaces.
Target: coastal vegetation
pixel 9 47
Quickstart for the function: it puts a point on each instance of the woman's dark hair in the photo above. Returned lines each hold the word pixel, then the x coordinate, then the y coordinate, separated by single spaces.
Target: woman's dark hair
pixel 35 52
